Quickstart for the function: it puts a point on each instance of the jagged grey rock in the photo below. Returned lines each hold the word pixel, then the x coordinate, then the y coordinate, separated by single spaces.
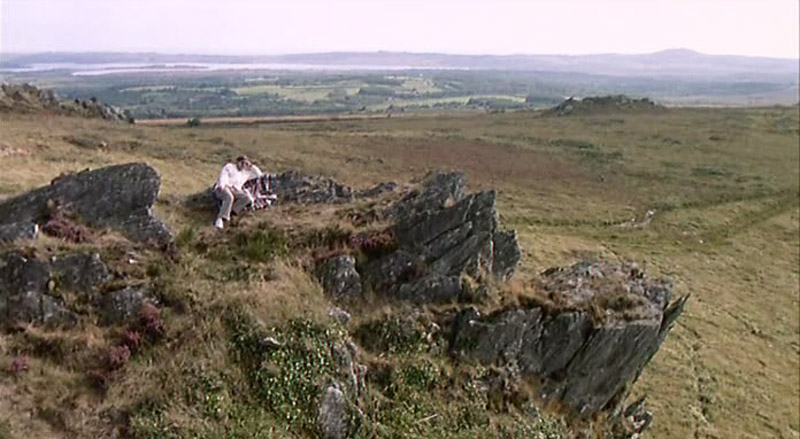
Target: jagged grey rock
pixel 584 363
pixel 506 254
pixel 339 278
pixel 123 305
pixel 388 272
pixel 333 418
pixel 19 230
pixel 443 234
pixel 119 197
pixel 437 189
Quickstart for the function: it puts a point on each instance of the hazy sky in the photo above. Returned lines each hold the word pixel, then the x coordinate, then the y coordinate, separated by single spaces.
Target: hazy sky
pixel 745 27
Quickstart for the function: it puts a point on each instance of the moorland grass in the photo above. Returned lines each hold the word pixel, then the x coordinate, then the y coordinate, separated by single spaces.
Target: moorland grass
pixel 723 184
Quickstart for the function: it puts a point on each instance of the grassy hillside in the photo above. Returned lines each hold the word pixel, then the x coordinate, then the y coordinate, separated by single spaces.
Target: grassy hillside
pixel 722 185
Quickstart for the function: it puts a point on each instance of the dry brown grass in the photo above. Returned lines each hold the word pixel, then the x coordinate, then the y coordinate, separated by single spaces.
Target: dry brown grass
pixel 729 368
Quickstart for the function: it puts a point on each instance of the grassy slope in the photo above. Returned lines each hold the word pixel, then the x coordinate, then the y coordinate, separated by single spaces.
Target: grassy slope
pixel 723 183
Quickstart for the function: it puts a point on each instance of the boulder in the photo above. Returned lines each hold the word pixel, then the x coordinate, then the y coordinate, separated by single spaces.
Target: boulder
pixel 333 419
pixel 585 361
pixel 119 197
pixel 339 278
pixel 122 306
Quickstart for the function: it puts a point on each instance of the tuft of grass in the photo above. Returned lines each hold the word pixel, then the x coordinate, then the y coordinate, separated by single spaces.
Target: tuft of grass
pixel 261 245
pixel 394 334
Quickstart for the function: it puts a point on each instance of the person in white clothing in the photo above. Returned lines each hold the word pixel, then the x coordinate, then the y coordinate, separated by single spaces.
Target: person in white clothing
pixel 229 188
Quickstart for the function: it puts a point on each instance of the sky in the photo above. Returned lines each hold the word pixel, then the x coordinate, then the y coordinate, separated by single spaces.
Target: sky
pixel 739 27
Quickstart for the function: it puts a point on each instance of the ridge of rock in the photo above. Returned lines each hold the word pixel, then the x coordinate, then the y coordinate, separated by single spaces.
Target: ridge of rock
pixel 584 364
pixel 119 197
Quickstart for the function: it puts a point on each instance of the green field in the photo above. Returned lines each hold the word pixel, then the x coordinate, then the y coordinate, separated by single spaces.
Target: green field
pixel 723 185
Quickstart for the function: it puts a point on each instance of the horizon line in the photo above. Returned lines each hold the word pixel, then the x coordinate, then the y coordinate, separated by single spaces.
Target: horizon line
pixel 378 51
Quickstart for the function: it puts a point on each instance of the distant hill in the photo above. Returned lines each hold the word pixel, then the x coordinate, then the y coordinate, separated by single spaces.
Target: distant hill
pixel 674 62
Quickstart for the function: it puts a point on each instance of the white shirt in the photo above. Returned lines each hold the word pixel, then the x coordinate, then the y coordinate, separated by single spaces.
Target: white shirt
pixel 231 176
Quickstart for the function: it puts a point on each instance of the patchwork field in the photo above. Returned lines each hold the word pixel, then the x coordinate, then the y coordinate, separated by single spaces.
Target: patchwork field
pixel 706 196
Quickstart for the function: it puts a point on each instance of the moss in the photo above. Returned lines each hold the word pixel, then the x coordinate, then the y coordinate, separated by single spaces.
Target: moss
pixel 393 334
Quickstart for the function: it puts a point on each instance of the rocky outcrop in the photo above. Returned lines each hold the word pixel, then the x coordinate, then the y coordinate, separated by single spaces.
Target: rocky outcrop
pixel 598 104
pixel 119 197
pixel 294 187
pixel 32 289
pixel 585 361
pixel 443 235
pixel 28 284
pixel 26 98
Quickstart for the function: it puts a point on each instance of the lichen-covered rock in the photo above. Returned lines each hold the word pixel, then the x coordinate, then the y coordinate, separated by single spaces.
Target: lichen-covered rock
pixel 333 418
pixel 119 197
pixel 339 278
pixel 122 306
pixel 585 361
